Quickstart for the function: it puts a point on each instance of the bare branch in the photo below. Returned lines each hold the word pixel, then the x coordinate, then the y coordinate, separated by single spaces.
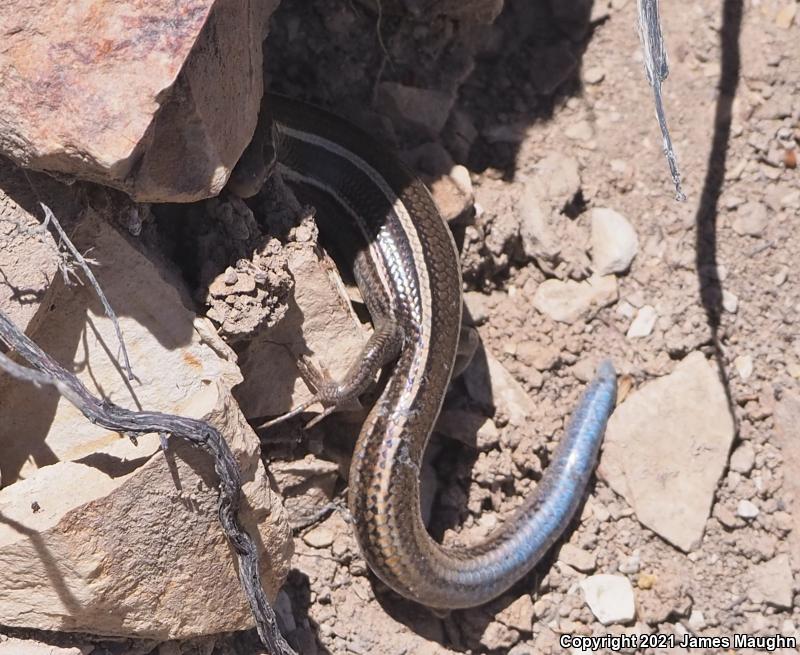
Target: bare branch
pixel 49 217
pixel 656 68
pixel 198 433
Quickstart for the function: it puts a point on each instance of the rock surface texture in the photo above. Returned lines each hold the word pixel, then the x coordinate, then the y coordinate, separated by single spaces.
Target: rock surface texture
pixel 666 447
pixel 101 536
pixel 28 254
pixel 158 99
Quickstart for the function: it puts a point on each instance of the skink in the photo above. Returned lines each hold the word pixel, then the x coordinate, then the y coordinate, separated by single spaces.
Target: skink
pixel 409 276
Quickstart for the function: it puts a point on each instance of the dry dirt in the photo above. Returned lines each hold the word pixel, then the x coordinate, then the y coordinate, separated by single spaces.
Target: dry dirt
pixel 542 85
pixel 718 270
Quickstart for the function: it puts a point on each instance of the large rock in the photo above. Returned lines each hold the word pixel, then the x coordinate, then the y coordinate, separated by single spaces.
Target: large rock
pixel 666 447
pixel 319 323
pixel 28 254
pixel 158 99
pixel 97 535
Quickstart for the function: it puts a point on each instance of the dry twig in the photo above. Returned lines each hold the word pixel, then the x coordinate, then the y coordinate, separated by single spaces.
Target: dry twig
pixel 656 68
pixel 49 217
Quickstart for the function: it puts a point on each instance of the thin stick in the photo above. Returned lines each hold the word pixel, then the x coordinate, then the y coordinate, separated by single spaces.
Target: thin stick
pixel 49 217
pixel 131 423
pixel 656 68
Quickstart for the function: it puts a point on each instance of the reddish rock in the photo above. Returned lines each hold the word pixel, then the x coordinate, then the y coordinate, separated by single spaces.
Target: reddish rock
pixel 156 98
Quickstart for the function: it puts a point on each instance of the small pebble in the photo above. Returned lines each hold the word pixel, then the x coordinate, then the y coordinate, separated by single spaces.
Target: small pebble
pixel 730 301
pixel 743 459
pixel 320 537
pixel 746 509
pixel 610 597
pixel 577 558
pixel 697 621
pixel 744 366
pixel 644 323
pixel 594 75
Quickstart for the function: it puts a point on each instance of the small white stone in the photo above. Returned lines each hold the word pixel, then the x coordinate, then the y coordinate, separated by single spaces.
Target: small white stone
pixel 461 177
pixel 697 621
pixel 730 301
pixel 614 242
pixel 630 565
pixel 744 366
pixel 746 509
pixel 643 324
pixel 594 75
pixel 610 597
pixel 780 277
pixel 624 308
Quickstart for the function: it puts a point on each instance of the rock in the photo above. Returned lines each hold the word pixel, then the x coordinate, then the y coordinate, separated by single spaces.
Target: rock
pixel 666 447
pixel 643 324
pixel 414 108
pixel 787 417
pixel 614 242
pixel 306 486
pixel 568 301
pixel 126 540
pixel 13 646
pixel 773 583
pixel 631 565
pixel 28 254
pixel 168 97
pixel 319 537
pixel 539 238
pixel 730 301
pixel 473 429
pixel 594 75
pixel 744 366
pixel 476 306
pixel 541 357
pixel 556 180
pixel 519 614
pixel 746 509
pixel 577 558
pixel 450 198
pixel 490 385
pixel 610 597
pixel 499 637
pixel 320 322
pixel 750 219
pixel 786 15
pixel 743 459
pixel 242 274
pixel 697 621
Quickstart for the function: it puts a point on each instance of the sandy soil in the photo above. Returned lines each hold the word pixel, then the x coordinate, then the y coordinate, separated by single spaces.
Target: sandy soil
pixel 717 269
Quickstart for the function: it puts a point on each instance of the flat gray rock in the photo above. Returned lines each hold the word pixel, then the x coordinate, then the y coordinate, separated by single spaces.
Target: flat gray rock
pixel 666 447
